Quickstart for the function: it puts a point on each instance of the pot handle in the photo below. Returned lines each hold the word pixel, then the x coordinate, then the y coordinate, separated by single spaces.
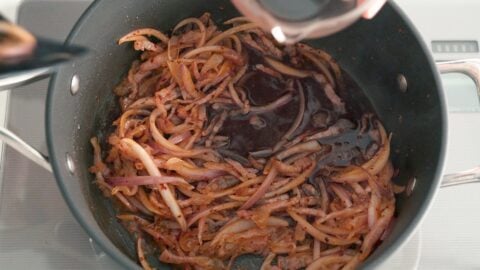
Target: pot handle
pixel 24 148
pixel 471 68
pixel 465 177
pixel 24 78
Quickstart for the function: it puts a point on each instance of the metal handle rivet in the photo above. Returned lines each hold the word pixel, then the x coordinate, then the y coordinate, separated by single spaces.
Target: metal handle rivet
pixel 69 163
pixel 402 83
pixel 75 85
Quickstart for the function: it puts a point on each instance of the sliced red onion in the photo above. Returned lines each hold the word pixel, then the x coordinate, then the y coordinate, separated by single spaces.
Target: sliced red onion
pixel 131 181
pixel 201 261
pixel 139 206
pixel 180 137
pixel 342 195
pixel 301 111
pixel 287 70
pixel 377 231
pixel 309 146
pixel 372 210
pixel 190 172
pixel 340 126
pixel 261 190
pixel 280 102
pixel 261 153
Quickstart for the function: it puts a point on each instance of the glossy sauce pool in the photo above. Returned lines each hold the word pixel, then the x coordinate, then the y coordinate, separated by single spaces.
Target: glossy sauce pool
pixel 350 147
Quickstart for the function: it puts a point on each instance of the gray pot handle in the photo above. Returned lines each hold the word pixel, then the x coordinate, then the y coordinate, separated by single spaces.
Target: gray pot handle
pixel 465 177
pixel 17 80
pixel 471 68
pixel 24 148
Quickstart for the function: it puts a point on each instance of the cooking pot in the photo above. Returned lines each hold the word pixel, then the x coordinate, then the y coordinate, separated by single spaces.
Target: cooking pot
pixel 385 56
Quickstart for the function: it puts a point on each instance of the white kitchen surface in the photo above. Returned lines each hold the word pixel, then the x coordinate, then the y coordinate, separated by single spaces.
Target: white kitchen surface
pixel 9 9
pixel 37 230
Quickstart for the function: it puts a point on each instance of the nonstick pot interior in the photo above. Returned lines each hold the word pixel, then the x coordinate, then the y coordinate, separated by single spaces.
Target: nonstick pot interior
pixel 375 53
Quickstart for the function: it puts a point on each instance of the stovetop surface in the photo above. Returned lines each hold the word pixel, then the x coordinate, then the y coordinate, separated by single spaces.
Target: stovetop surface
pixel 37 230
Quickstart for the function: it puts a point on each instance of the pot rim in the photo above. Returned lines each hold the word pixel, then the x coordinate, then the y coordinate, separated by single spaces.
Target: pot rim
pixel 371 262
